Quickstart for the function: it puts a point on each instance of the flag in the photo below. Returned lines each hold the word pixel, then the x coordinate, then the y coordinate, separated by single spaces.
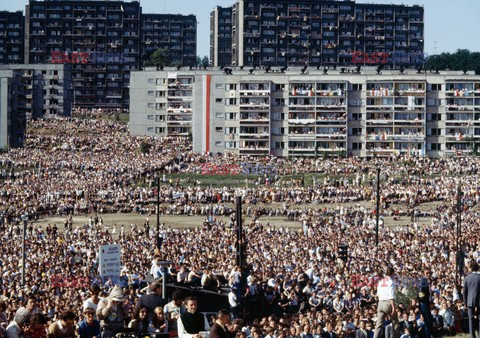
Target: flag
pixel 384 137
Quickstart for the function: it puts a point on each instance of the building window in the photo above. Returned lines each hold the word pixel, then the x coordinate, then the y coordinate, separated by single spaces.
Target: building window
pixel 219 129
pixel 150 129
pixel 150 117
pixel 231 102
pixel 150 93
pixel 151 80
pixel 219 115
pixel 218 100
pixel 356 87
pixel 218 144
pixel 151 105
pixel 218 85
pixel 230 116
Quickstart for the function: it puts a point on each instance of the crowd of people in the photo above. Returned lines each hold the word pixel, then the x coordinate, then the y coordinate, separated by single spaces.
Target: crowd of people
pixel 293 283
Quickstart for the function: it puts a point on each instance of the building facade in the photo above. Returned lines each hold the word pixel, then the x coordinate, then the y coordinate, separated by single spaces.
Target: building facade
pixel 12 31
pixel 103 28
pixel 177 34
pixel 312 32
pixel 221 36
pixel 12 115
pixel 47 89
pixel 311 113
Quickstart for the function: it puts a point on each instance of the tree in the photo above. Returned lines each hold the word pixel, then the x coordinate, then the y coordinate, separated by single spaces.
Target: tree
pixel 198 62
pixel 462 59
pixel 160 57
pixel 205 62
pixel 145 147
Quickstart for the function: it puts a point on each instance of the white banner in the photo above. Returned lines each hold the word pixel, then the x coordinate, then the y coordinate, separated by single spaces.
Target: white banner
pixel 109 261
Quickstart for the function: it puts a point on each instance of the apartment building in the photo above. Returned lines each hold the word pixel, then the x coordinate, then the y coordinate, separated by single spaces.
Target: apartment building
pixel 312 32
pixel 47 89
pixel 310 112
pixel 102 27
pixel 12 116
pixel 12 32
pixel 221 36
pixel 175 33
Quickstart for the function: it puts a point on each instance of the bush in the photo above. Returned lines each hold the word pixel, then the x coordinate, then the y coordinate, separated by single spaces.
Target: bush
pixel 145 147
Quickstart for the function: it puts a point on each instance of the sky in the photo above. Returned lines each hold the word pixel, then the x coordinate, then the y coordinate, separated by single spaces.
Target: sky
pixel 449 24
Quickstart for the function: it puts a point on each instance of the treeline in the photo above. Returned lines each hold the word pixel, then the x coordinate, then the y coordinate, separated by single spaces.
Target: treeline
pixel 462 60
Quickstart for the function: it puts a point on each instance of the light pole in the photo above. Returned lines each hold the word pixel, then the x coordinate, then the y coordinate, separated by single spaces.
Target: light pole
pixel 458 235
pixel 377 213
pixel 25 220
pixel 158 213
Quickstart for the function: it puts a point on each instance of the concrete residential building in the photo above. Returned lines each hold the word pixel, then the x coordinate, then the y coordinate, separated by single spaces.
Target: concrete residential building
pixel 47 88
pixel 87 26
pixel 308 113
pixel 12 115
pixel 99 26
pixel 175 33
pixel 221 36
pixel 313 32
pixel 12 30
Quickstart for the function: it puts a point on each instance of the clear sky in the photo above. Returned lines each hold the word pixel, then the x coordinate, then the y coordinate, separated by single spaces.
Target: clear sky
pixel 452 24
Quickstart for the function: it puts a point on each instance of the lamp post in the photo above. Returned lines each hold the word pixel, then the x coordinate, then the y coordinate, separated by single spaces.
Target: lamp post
pixel 25 220
pixel 158 213
pixel 377 212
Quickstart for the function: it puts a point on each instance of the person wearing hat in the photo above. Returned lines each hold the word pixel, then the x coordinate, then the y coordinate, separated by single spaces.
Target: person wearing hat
pixel 111 313
pixel 19 323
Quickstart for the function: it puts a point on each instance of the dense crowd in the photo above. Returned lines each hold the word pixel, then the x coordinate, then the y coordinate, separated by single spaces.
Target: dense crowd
pixel 293 285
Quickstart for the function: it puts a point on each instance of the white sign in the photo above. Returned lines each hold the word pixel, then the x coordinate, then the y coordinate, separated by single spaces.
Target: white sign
pixel 109 261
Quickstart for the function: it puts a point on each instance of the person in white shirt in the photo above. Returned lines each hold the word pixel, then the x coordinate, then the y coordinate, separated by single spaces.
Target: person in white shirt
pixel 191 323
pixel 93 300
pixel 233 301
pixel 386 303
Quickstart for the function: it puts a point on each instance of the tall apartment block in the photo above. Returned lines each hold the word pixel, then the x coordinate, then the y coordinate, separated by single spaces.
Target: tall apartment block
pixel 12 29
pixel 315 33
pixel 12 116
pixel 307 112
pixel 87 26
pixel 98 26
pixel 175 33
pixel 221 36
pixel 47 89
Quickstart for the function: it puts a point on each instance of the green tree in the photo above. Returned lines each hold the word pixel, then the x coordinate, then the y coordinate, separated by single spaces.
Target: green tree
pixel 145 147
pixel 205 61
pixel 160 57
pixel 198 62
pixel 462 59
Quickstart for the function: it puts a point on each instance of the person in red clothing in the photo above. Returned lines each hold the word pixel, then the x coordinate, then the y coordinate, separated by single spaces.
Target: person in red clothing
pixel 37 328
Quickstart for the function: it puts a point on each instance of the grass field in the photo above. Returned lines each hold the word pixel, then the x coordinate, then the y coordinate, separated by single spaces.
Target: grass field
pixel 182 221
